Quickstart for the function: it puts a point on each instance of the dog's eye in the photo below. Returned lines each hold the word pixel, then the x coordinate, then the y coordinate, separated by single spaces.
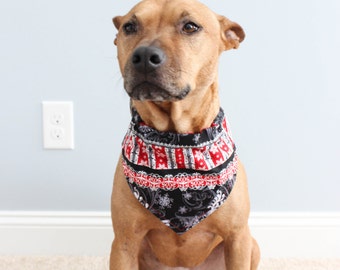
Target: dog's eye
pixel 190 28
pixel 130 28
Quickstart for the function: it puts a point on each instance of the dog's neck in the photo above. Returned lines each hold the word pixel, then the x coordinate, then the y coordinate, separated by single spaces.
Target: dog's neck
pixel 190 115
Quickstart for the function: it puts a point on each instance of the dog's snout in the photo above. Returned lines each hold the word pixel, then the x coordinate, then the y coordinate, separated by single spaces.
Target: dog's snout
pixel 146 59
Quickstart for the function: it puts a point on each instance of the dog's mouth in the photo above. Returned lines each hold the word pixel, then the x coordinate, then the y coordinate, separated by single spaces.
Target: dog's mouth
pixel 152 92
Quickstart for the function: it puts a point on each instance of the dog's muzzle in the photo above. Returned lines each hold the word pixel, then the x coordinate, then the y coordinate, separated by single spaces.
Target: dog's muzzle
pixel 147 77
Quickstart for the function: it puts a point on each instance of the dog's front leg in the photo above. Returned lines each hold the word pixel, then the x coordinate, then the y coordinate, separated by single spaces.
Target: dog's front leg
pixel 127 217
pixel 124 254
pixel 238 250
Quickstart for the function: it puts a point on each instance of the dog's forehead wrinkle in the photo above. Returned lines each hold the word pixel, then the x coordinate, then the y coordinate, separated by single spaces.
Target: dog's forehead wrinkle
pixel 145 18
pixel 133 17
pixel 184 14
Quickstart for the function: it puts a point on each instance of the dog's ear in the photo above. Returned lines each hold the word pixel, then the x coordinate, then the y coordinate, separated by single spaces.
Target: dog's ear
pixel 117 22
pixel 232 33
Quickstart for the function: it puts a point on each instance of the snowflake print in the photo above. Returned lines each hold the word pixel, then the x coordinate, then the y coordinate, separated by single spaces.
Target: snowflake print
pixel 214 149
pixel 182 210
pixel 196 138
pixel 187 195
pixel 159 151
pixel 201 165
pixel 199 155
pixel 165 201
pixel 161 154
pixel 144 162
pixel 162 166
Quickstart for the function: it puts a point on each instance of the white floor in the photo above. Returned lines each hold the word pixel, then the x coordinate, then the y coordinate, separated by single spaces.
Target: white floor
pixel 101 263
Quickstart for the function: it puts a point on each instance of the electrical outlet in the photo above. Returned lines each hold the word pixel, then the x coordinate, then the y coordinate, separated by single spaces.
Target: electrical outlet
pixel 58 125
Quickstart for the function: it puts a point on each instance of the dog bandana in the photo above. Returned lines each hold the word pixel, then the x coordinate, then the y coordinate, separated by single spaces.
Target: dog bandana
pixel 180 178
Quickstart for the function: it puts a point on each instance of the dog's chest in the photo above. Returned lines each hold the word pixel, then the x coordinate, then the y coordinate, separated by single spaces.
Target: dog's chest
pixel 180 178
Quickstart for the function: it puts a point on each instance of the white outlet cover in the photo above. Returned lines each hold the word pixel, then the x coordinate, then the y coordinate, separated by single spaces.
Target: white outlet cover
pixel 58 126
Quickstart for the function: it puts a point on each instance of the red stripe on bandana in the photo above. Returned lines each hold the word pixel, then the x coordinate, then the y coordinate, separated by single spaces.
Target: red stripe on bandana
pixel 143 158
pixel 161 157
pixel 200 161
pixel 180 158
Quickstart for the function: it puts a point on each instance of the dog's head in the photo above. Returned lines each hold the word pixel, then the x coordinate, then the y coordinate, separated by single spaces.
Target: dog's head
pixel 168 49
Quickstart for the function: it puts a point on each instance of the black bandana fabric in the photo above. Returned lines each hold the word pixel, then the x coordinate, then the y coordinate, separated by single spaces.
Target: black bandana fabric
pixel 180 178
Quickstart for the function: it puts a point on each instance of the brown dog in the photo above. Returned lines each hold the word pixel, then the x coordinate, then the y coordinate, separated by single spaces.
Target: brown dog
pixel 168 54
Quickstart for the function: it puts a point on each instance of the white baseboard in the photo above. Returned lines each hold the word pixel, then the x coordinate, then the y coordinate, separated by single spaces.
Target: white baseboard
pixel 298 235
pixel 55 233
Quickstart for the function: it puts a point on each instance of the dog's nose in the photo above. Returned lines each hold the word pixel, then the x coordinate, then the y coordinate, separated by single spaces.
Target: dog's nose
pixel 147 59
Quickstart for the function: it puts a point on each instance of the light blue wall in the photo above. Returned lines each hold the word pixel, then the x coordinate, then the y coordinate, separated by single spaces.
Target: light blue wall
pixel 281 91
